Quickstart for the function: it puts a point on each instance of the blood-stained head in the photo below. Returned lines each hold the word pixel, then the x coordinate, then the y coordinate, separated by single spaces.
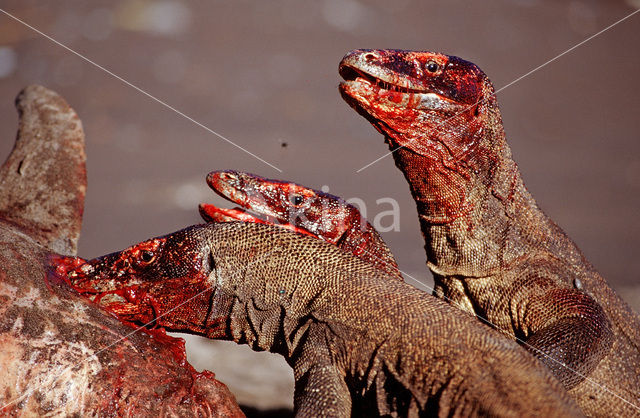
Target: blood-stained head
pixel 163 279
pixel 439 115
pixel 431 103
pixel 291 205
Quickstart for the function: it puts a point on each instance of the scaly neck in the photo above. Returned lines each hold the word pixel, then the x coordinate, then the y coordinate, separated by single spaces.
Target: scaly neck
pixel 473 211
pixel 254 305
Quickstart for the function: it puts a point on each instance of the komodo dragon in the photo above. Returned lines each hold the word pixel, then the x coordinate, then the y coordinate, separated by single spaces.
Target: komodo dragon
pixel 492 251
pixel 302 210
pixel 359 342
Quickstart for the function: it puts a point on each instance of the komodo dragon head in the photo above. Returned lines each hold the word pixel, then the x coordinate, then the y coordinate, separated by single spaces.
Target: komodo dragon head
pixel 402 92
pixel 290 205
pixel 195 280
pixel 300 209
pixel 440 117
pixel 159 281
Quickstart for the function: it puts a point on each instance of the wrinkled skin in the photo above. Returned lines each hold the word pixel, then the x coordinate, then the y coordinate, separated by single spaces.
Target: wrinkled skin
pixel 301 209
pixel 491 249
pixel 359 343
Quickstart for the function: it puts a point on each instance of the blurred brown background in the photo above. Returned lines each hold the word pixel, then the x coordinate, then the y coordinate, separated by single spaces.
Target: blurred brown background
pixel 264 75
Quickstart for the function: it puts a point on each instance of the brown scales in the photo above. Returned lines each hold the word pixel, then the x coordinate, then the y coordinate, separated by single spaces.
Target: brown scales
pixel 360 342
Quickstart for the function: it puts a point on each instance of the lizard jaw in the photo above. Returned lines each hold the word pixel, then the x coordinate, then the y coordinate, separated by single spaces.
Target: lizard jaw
pixel 412 106
pixel 368 85
pixel 212 213
pixel 234 187
pixel 229 185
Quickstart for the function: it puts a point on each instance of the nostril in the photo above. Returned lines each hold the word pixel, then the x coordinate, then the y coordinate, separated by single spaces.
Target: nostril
pixel 226 176
pixel 370 57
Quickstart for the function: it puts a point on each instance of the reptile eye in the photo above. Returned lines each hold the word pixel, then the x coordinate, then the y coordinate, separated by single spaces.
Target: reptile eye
pixel 147 256
pixel 296 199
pixel 432 66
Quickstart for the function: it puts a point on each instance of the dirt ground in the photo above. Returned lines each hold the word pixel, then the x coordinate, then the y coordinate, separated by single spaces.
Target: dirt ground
pixel 264 76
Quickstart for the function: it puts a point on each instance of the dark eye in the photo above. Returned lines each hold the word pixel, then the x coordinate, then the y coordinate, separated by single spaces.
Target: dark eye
pixel 296 199
pixel 147 256
pixel 432 66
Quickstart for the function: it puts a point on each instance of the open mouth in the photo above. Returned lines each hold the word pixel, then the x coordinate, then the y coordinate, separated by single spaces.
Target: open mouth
pixel 353 74
pixel 360 85
pixel 212 213
pixel 231 186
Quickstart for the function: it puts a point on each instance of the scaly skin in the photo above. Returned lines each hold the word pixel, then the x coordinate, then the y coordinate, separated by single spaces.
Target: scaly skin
pixel 303 210
pixel 360 343
pixel 492 251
